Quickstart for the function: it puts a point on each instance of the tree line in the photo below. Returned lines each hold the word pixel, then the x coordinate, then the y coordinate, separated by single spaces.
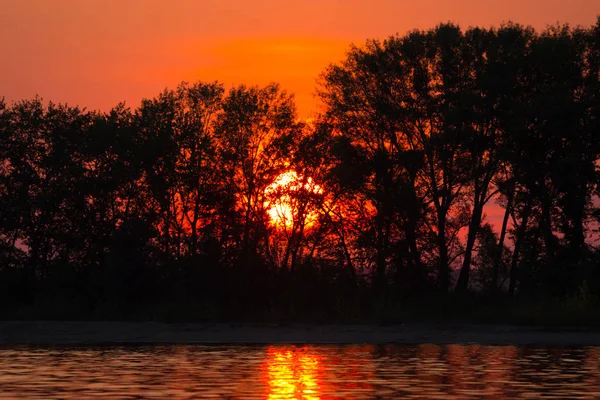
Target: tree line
pixel 227 200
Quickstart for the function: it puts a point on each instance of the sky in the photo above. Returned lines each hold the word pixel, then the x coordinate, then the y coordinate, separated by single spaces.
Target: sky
pixel 97 53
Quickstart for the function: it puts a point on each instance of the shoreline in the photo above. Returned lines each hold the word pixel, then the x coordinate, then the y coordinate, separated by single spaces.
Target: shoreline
pixel 149 333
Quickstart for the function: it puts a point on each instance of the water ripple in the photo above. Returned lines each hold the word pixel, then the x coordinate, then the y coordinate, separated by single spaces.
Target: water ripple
pixel 304 372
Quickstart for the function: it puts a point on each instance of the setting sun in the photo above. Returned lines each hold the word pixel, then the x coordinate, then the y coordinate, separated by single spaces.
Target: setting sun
pixel 274 180
pixel 285 206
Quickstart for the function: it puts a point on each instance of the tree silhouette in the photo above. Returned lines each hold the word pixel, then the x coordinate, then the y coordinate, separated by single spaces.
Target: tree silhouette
pixel 225 203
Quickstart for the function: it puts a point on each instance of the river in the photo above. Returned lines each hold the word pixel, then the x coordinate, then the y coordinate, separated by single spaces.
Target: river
pixel 300 371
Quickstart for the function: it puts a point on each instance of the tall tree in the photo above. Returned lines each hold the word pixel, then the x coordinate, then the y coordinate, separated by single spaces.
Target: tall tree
pixel 255 132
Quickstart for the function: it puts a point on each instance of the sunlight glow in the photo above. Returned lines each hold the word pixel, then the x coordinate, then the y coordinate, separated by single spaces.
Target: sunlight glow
pixel 292 374
pixel 287 206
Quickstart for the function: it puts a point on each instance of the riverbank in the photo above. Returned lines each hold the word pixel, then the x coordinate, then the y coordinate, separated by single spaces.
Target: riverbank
pixel 103 332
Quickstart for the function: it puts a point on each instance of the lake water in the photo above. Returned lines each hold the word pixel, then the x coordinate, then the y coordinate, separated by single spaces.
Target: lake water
pixel 303 371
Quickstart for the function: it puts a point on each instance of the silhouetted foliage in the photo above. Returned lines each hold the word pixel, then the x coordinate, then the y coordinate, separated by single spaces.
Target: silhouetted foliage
pixel 225 203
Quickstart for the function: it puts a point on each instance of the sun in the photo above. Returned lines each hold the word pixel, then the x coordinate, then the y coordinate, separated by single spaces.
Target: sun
pixel 283 202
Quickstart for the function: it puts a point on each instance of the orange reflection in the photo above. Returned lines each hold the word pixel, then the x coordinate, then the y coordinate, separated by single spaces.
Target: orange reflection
pixel 292 374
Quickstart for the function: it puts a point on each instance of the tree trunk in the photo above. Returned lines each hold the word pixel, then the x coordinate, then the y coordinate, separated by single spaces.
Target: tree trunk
pixel 443 271
pixel 415 257
pixel 463 279
pixel 411 230
pixel 246 237
pixel 518 243
pixel 577 236
pixel 546 227
pixel 498 256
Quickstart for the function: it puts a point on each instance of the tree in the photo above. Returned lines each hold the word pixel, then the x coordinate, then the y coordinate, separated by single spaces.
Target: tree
pixel 255 133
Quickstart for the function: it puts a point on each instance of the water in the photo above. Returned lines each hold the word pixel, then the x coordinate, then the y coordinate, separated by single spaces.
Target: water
pixel 305 372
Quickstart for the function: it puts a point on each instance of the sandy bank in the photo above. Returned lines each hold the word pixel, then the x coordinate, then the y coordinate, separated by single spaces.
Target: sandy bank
pixel 52 332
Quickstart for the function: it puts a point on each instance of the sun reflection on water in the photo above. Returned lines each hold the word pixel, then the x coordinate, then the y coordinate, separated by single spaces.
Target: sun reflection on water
pixel 292 373
pixel 301 372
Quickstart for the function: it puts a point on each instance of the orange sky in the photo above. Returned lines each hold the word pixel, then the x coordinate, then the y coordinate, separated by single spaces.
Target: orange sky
pixel 96 53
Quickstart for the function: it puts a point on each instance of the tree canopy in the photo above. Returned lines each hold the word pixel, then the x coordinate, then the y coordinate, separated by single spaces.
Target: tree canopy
pixel 227 200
